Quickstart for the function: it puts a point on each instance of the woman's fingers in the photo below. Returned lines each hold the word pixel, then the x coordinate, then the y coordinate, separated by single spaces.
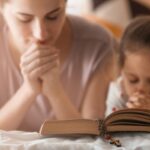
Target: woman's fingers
pixel 39 71
pixel 39 62
pixel 34 63
pixel 38 68
pixel 37 59
pixel 34 48
pixel 25 60
pixel 38 54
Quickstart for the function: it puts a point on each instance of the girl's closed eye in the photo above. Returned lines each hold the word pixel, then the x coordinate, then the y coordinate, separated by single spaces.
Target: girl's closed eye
pixel 148 81
pixel 133 80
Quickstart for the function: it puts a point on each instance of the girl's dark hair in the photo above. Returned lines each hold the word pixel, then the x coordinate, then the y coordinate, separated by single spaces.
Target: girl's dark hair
pixel 135 37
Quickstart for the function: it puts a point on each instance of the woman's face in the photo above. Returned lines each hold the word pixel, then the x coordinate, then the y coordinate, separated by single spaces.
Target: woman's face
pixel 34 21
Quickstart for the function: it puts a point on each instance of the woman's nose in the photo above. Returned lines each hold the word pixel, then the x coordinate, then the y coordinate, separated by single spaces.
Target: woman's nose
pixel 40 31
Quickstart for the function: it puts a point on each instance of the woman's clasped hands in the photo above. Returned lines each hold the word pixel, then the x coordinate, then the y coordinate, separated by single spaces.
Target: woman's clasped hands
pixel 38 65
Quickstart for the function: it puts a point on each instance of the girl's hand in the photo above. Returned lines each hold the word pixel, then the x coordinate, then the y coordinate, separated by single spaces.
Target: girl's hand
pixel 35 62
pixel 139 100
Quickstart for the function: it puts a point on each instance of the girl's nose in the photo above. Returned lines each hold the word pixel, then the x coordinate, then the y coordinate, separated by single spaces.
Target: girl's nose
pixel 141 91
pixel 142 88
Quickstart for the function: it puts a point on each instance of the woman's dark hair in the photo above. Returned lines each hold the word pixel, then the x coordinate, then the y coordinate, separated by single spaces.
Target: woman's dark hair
pixel 135 37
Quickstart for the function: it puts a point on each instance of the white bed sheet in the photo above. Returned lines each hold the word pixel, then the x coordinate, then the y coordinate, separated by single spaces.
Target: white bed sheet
pixel 18 140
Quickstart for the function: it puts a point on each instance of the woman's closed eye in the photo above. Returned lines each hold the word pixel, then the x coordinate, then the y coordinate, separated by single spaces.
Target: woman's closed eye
pixel 52 17
pixel 29 19
pixel 24 19
pixel 56 15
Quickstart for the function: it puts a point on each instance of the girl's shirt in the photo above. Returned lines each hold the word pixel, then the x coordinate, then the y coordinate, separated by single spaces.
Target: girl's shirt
pixel 115 99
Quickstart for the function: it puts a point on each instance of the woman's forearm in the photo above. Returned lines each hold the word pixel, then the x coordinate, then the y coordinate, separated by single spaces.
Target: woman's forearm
pixel 61 104
pixel 12 113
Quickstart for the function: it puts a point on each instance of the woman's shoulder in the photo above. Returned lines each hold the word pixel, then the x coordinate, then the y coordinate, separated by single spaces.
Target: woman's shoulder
pixel 85 29
pixel 3 42
pixel 2 23
pixel 2 29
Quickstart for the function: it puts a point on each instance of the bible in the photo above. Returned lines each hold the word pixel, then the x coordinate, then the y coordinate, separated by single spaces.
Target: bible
pixel 126 120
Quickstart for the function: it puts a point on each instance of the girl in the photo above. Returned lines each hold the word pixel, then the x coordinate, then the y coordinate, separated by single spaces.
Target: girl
pixel 132 88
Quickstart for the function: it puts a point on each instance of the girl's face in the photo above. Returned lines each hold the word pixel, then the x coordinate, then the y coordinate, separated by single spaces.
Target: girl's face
pixel 34 21
pixel 136 73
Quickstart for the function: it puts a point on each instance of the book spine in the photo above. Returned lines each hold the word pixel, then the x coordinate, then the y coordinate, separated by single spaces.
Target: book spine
pixel 101 127
pixel 105 135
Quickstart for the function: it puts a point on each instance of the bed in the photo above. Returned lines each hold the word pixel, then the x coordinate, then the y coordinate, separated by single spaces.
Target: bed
pixel 18 140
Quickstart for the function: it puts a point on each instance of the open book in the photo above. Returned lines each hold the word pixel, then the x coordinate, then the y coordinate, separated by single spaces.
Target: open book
pixel 126 120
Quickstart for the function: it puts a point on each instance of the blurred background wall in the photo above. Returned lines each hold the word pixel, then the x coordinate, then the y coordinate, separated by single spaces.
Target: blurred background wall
pixel 112 14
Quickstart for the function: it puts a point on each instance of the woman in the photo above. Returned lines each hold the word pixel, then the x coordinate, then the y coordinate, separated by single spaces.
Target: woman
pixel 51 65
